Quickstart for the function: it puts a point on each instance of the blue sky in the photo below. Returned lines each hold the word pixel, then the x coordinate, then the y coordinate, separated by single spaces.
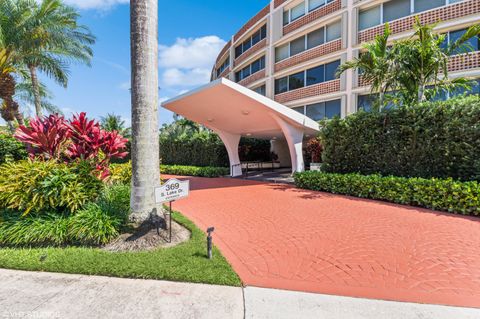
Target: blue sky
pixel 191 33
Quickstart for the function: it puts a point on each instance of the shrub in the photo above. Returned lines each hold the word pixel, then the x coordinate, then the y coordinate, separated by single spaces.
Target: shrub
pixel 29 186
pixel 122 173
pixel 11 149
pixel 440 139
pixel 440 194
pixel 97 223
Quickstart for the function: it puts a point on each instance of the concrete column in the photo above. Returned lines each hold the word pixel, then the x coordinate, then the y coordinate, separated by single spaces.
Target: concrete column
pixel 294 137
pixel 231 142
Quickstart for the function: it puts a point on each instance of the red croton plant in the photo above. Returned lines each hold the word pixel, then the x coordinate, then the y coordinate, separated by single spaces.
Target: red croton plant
pixel 315 148
pixel 54 138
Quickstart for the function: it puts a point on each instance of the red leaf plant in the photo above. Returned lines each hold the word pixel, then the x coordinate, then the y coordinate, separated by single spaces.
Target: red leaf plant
pixel 78 139
pixel 45 137
pixel 315 148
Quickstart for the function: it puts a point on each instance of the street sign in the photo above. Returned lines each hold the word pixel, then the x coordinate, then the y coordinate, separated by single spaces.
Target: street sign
pixel 172 190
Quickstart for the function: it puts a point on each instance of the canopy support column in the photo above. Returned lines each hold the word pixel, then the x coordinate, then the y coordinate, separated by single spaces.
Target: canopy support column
pixel 294 137
pixel 231 142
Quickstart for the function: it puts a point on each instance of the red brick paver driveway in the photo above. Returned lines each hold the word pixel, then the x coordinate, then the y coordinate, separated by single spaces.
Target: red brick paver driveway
pixel 278 236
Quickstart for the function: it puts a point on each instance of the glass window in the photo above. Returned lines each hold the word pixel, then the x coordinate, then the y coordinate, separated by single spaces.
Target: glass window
pixel 316 111
pixel 366 102
pixel 256 66
pixel 263 32
pixel 246 72
pixel 297 46
pixel 395 9
pixel 238 51
pixel 471 45
pixel 247 44
pixel 315 38
pixel 333 108
pixel 286 17
pixel 296 81
pixel 454 1
pixel 260 90
pixel 334 31
pixel 299 109
pixel 281 85
pixel 369 18
pixel 313 4
pixel 331 70
pixel 256 37
pixel 297 11
pixel 238 76
pixel 281 52
pixel 423 5
pixel 316 75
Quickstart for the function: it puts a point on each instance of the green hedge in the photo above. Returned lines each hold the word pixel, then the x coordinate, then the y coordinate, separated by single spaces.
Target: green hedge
pixel 11 149
pixel 194 171
pixel 440 139
pixel 439 194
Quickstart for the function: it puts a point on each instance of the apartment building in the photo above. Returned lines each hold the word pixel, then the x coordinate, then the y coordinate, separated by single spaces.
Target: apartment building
pixel 291 49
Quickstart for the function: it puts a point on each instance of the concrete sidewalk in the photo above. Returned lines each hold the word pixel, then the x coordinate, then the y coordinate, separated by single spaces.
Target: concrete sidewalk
pixel 46 295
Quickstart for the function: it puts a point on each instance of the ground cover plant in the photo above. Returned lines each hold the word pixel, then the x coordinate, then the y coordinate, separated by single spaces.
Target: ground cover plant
pixel 439 194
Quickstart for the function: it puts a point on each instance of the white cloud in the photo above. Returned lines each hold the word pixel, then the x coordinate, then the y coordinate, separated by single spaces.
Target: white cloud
pixel 191 53
pixel 188 62
pixel 95 4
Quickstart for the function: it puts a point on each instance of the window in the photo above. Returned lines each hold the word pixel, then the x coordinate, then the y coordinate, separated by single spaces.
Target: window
pixel 334 31
pixel 369 18
pixel 366 102
pixel 299 109
pixel 313 4
pixel 333 108
pixel 315 38
pixel 250 69
pixel 286 17
pixel 297 46
pixel 469 46
pixel 331 70
pixel 296 81
pixel 322 110
pixel 281 52
pixel 223 67
pixel 316 75
pixel 297 12
pixel 260 90
pixel 395 9
pixel 281 85
pixel 250 42
pixel 424 5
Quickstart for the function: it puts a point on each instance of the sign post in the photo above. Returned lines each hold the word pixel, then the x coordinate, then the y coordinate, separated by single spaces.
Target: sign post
pixel 171 191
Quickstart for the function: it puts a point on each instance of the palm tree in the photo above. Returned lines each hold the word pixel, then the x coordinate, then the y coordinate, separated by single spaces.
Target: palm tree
pixel 113 122
pixel 422 61
pixel 375 65
pixel 145 144
pixel 53 40
pixel 24 92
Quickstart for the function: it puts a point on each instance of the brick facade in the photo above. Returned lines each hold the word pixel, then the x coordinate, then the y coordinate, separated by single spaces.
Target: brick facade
pixel 253 78
pixel 309 55
pixel 263 13
pixel 278 3
pixel 309 91
pixel 225 49
pixel 312 16
pixel 224 74
pixel 257 47
pixel 449 12
pixel 464 62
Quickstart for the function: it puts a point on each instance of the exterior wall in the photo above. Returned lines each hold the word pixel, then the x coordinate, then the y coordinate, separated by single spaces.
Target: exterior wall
pixel 349 86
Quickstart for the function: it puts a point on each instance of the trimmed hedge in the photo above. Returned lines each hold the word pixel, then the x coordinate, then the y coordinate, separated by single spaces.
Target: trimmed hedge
pixel 122 173
pixel 439 194
pixel 11 149
pixel 434 139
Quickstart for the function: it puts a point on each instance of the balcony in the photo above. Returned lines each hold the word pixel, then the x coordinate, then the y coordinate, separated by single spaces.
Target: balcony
pixel 309 91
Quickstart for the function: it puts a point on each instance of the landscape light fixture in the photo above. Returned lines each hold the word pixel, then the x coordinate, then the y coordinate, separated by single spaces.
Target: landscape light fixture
pixel 245 112
pixel 209 242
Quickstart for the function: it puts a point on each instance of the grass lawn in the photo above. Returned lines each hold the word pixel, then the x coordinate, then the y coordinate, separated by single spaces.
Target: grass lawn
pixel 186 262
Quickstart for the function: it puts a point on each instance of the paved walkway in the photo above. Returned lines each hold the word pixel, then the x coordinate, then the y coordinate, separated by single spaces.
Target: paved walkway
pixel 281 237
pixel 51 296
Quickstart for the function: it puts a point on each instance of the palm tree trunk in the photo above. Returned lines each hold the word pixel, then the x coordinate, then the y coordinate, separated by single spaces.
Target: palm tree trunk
pixel 36 90
pixel 145 144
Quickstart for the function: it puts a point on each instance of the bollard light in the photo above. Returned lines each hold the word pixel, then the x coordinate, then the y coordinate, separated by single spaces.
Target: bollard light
pixel 209 242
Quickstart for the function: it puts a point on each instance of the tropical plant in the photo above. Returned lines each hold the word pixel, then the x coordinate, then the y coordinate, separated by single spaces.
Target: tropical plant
pixel 422 61
pixel 53 138
pixel 375 66
pixel 24 93
pixel 314 148
pixel 145 146
pixel 11 149
pixel 113 122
